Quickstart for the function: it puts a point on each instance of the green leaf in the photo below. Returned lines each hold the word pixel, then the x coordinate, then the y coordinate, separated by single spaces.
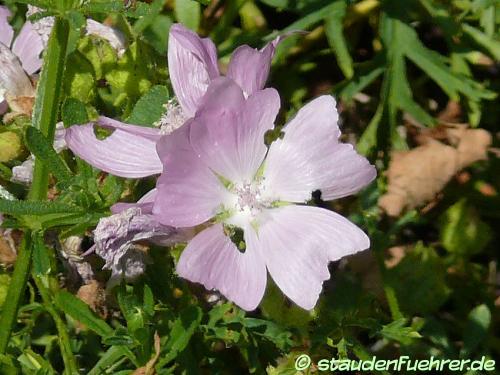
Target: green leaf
pixel 150 107
pixel 188 12
pixel 476 330
pixel 423 272
pixel 99 53
pixel 41 260
pixel 462 231
pixel 110 357
pixel 335 36
pixel 142 23
pixel 34 363
pixel 398 331
pixel 156 34
pixel 131 308
pixel 81 312
pixel 310 19
pixel 42 149
pixel 79 78
pixel 135 71
pixel 74 112
pixel 490 44
pixel 182 330
pixel 34 207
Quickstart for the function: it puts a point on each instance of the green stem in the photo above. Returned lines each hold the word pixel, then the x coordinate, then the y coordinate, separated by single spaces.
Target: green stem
pixel 45 115
pixel 15 292
pixel 47 102
pixel 70 365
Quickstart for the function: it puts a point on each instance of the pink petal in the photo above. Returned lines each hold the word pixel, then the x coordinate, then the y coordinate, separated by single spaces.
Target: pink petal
pixel 214 261
pixel 152 134
pixel 249 67
pixel 130 151
pixel 28 46
pixel 192 64
pixel 6 31
pixel 228 133
pixel 310 157
pixel 145 204
pixel 298 242
pixel 13 78
pixel 188 192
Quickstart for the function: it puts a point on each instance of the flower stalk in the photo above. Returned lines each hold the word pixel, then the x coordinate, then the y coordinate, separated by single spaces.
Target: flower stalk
pixel 44 118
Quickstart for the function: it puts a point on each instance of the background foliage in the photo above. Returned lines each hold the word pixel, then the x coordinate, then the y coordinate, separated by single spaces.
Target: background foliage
pixel 428 286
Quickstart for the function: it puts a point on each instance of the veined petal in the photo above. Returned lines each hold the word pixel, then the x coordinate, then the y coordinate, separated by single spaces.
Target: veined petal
pixel 298 242
pixel 228 132
pixel 310 157
pixel 213 260
pixel 249 67
pixel 129 152
pixel 28 46
pixel 192 64
pixel 152 134
pixel 189 193
pixel 13 78
pixel 6 31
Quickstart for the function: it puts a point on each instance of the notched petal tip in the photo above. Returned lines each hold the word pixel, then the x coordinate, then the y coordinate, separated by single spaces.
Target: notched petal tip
pixel 123 153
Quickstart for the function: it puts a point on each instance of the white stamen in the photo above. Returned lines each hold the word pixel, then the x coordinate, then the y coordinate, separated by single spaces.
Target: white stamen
pixel 173 118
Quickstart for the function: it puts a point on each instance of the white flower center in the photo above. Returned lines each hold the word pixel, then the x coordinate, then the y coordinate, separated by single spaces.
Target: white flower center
pixel 172 119
pixel 247 203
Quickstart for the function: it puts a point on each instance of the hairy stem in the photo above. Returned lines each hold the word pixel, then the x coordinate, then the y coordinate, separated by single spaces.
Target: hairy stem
pixel 70 365
pixel 44 118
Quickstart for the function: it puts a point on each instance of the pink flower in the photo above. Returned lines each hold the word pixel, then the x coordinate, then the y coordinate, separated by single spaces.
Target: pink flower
pixel 131 150
pixel 219 173
pixel 192 64
pixel 19 58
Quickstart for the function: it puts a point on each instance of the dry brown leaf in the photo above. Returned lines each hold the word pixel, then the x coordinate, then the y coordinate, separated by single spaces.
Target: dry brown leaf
pixel 7 251
pixel 149 368
pixel 415 177
pixel 94 295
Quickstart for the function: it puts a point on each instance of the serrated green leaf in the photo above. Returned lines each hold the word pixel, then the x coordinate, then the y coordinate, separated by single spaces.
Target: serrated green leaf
pixel 79 78
pixel 150 107
pixel 42 149
pixel 398 331
pixel 74 112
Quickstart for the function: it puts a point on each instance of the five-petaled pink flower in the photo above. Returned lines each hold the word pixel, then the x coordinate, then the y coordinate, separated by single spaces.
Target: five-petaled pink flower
pixel 219 173
pixel 192 61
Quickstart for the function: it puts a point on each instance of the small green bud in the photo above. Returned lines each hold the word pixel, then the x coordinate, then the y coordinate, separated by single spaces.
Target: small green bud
pixel 10 146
